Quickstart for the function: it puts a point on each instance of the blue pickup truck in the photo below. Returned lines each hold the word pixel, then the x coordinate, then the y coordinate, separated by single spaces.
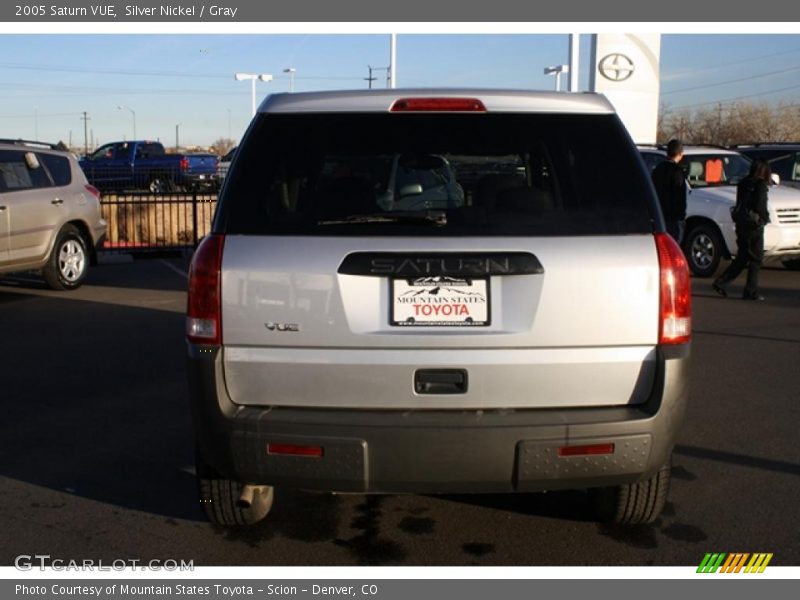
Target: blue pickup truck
pixel 144 165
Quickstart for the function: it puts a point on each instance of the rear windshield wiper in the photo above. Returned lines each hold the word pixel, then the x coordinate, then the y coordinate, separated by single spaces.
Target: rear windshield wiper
pixel 435 217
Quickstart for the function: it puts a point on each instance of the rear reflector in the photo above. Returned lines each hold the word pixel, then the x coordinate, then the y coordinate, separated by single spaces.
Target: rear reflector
pixel 675 304
pixel 438 105
pixel 203 320
pixel 586 450
pixel 294 450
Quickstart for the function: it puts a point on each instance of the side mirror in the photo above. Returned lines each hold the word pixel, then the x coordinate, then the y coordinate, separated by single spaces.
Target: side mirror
pixel 776 179
pixel 412 189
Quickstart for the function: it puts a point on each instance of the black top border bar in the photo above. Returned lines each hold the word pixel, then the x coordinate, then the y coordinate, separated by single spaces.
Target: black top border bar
pixel 409 11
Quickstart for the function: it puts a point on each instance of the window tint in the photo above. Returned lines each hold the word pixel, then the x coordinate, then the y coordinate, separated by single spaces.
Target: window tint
pixel 59 168
pixel 15 174
pixel 149 150
pixel 435 174
pixel 652 159
pixel 715 169
pixel 103 152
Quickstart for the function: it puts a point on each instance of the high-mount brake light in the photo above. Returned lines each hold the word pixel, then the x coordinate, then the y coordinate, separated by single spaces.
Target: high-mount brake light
pixel 675 302
pixel 203 311
pixel 438 105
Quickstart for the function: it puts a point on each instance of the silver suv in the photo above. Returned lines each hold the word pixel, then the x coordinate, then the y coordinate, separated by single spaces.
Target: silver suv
pixel 49 214
pixel 531 335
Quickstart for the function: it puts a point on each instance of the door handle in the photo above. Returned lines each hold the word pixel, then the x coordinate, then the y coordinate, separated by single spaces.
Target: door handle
pixel 57 202
pixel 2 208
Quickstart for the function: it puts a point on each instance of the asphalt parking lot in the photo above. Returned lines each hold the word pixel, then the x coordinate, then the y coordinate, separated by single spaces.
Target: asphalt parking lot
pixel 96 449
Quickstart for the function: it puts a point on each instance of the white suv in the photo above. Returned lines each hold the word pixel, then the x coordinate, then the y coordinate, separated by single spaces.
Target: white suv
pixel 712 174
pixel 49 214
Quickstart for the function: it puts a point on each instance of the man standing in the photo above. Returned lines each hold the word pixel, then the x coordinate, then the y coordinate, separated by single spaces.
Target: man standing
pixel 670 183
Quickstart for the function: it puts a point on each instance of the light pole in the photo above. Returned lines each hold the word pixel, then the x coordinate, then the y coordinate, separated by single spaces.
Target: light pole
pixel 557 70
pixel 392 74
pixel 177 142
pixel 252 77
pixel 291 71
pixel 134 118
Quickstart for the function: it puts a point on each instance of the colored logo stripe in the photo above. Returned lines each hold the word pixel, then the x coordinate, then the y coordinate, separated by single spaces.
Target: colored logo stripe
pixel 734 563
pixel 711 563
pixel 758 563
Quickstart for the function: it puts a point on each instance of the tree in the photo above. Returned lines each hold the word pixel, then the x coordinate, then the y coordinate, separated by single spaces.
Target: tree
pixel 730 124
pixel 222 146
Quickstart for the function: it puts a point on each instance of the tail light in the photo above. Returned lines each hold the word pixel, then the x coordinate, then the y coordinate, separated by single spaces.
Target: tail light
pixel 184 164
pixel 675 304
pixel 93 191
pixel 203 312
pixel 438 105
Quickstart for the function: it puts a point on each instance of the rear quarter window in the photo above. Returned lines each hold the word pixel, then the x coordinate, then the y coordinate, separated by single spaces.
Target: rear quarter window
pixel 59 168
pixel 437 175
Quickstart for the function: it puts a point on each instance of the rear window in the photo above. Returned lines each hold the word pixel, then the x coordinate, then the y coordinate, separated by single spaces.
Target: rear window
pixel 436 174
pixel 59 168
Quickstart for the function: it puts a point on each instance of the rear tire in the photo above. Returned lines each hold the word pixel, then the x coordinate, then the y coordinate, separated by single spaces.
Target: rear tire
pixel 633 503
pixel 220 499
pixel 703 247
pixel 161 184
pixel 68 262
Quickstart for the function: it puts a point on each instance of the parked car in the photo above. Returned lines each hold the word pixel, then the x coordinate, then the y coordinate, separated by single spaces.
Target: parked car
pixel 534 336
pixel 49 214
pixel 145 165
pixel 784 159
pixel 225 164
pixel 712 174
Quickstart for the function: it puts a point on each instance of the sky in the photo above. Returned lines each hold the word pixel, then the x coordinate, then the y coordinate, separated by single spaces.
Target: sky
pixel 47 81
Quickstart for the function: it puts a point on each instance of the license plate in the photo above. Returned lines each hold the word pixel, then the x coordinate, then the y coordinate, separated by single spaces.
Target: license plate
pixel 440 301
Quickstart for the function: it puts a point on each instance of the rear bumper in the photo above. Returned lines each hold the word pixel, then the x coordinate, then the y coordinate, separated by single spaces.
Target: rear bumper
pixel 201 180
pixel 436 451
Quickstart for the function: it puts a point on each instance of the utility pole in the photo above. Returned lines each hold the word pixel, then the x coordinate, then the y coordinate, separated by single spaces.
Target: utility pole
pixel 370 79
pixel 85 133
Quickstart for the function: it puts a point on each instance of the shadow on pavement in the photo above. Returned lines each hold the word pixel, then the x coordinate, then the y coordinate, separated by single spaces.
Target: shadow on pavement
pixel 94 402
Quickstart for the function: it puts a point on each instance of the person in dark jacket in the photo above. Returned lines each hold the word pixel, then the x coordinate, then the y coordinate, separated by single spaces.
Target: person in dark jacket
pixel 750 216
pixel 670 183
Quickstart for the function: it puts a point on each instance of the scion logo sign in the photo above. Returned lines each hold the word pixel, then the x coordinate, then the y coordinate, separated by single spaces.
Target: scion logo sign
pixel 616 67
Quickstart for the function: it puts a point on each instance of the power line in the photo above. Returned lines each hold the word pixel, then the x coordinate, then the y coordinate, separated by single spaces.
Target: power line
pixel 751 59
pixel 41 115
pixel 750 78
pixel 143 73
pixel 732 100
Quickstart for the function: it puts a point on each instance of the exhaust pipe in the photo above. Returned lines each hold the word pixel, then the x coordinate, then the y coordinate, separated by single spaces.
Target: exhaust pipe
pixel 248 494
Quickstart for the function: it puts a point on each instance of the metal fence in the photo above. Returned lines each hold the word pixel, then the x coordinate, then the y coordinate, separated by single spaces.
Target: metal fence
pixel 143 222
